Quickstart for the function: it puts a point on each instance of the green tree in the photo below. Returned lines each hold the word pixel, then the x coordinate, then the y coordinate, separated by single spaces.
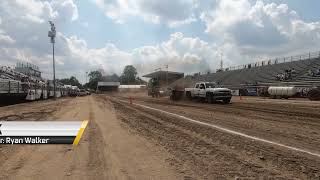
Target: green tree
pixel 71 81
pixel 111 78
pixel 95 75
pixel 94 78
pixel 129 75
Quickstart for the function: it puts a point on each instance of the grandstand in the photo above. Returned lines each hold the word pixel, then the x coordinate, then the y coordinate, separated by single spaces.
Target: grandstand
pixel 264 73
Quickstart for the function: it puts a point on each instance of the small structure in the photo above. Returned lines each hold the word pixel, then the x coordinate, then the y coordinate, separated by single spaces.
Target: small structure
pixel 132 88
pixel 160 81
pixel 165 77
pixel 107 86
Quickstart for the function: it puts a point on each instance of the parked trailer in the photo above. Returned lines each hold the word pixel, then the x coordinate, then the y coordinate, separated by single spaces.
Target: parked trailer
pixel 12 91
pixel 19 91
pixel 277 92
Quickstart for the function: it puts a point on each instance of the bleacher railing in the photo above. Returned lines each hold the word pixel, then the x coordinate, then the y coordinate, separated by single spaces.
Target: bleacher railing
pixel 301 57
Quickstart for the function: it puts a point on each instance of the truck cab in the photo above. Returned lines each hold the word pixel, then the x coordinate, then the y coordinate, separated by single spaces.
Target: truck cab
pixel 210 92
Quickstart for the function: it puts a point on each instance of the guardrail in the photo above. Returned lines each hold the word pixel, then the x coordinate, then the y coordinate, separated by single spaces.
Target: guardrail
pixel 272 61
pixel 301 57
pixel 306 84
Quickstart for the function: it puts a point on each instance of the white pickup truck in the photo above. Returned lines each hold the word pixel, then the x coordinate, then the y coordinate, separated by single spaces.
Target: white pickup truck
pixel 210 92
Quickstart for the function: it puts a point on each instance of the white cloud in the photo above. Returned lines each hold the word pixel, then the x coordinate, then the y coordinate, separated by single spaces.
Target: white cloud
pixel 24 26
pixel 258 30
pixel 261 29
pixel 181 53
pixel 74 57
pixel 172 13
pixel 5 39
pixel 66 9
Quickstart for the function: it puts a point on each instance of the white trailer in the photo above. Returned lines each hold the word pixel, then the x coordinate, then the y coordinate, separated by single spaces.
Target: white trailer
pixel 282 92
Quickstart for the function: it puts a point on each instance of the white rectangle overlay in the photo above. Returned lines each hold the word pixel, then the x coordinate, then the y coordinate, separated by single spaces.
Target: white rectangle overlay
pixel 40 128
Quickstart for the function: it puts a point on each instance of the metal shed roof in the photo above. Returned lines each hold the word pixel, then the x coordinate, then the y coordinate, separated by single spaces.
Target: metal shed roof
pixel 108 83
pixel 171 74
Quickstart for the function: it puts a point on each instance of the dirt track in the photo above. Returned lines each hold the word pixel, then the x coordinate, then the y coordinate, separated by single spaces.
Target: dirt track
pixel 107 151
pixel 126 141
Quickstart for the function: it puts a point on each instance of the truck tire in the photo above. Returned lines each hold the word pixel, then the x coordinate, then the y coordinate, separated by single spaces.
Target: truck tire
pixel 188 94
pixel 209 98
pixel 226 101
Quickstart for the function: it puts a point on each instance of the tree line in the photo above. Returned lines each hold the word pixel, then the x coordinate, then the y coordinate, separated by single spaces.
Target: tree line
pixel 129 76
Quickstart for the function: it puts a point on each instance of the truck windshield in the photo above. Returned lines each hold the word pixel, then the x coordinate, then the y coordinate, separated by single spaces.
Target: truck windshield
pixel 210 85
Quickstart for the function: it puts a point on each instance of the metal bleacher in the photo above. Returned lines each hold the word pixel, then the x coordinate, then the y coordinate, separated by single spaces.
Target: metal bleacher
pixel 264 72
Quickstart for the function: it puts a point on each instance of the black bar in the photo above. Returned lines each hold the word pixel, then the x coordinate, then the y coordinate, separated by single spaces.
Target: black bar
pixel 37 139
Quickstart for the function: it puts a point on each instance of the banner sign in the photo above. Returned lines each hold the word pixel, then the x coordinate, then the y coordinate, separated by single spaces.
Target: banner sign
pixel 41 132
pixel 252 91
pixel 235 92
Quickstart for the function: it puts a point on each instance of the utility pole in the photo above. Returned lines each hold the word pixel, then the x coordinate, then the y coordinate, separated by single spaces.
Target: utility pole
pixel 221 62
pixel 52 35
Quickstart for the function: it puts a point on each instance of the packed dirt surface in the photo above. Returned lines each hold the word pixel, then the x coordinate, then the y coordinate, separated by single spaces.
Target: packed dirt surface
pixel 203 152
pixel 132 141
pixel 108 150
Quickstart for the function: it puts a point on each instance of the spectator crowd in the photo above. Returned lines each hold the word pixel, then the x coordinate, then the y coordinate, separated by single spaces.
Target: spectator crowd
pixel 287 75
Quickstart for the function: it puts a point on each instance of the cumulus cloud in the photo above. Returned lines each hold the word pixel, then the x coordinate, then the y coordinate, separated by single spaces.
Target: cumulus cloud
pixel 181 53
pixel 24 27
pixel 250 31
pixel 5 39
pixel 261 29
pixel 172 13
pixel 27 40
pixel 66 9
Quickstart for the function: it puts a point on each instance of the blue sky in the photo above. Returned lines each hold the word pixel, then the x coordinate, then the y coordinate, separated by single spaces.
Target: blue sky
pixel 133 34
pixel 102 30
pixel 187 35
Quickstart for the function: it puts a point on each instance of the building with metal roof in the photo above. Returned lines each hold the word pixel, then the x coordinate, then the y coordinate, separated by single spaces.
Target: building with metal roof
pixel 165 77
pixel 107 86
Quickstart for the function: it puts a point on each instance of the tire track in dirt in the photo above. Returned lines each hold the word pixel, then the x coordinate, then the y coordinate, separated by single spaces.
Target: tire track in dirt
pixel 241 108
pixel 298 131
pixel 96 165
pixel 197 145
